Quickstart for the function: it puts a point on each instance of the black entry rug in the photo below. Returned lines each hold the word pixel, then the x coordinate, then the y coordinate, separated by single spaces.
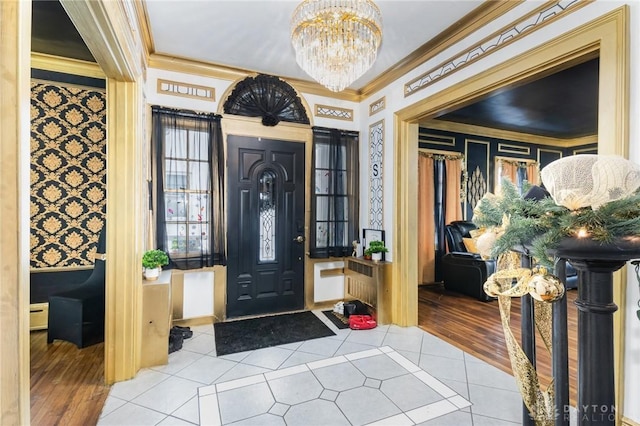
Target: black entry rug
pixel 264 332
pixel 338 320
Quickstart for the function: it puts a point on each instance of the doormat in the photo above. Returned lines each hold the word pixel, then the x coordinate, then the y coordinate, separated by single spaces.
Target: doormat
pixel 264 332
pixel 337 319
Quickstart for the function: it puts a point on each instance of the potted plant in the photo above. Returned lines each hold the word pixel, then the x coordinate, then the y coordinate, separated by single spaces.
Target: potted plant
pixel 152 261
pixel 375 250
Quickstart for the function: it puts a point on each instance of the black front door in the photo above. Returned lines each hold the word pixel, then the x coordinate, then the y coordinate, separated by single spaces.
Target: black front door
pixel 265 270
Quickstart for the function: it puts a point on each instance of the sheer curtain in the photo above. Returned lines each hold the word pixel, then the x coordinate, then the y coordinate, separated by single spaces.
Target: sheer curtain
pixel 189 176
pixel 533 173
pixel 516 171
pixel 335 200
pixel 505 170
pixel 439 203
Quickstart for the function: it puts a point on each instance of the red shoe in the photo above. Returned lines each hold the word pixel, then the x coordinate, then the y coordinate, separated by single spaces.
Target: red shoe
pixel 361 322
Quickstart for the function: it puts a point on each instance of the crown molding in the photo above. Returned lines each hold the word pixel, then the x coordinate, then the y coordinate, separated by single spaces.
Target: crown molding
pixel 109 30
pixel 477 18
pixel 189 66
pixel 489 132
pixel 46 62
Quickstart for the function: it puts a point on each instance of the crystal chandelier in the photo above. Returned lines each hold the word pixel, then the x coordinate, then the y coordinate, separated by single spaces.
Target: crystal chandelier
pixel 336 41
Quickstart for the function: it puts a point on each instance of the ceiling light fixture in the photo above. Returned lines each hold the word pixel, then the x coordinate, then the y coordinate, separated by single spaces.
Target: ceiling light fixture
pixel 336 41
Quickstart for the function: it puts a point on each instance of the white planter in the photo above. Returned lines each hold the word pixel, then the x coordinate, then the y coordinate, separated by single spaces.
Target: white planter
pixel 151 274
pixel 376 257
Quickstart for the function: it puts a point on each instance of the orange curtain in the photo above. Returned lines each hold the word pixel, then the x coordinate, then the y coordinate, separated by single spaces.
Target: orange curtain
pixel 505 169
pixel 453 205
pixel 426 221
pixel 426 217
pixel 533 174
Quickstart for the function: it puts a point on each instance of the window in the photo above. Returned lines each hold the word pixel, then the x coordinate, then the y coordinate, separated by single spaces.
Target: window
pixel 334 205
pixel 190 182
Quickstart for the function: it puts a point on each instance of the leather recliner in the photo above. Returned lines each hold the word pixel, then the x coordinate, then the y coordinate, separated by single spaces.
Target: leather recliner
pixel 462 271
pixel 466 272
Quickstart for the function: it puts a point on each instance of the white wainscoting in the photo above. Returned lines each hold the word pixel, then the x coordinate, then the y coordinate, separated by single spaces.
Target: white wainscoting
pixel 328 286
pixel 197 294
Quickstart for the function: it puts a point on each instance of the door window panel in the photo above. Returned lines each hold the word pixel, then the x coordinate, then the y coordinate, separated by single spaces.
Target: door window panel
pixel 267 211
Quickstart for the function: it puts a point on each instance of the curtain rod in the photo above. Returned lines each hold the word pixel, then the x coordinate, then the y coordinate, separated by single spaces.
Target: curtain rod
pixel 185 112
pixel 439 155
pixel 327 130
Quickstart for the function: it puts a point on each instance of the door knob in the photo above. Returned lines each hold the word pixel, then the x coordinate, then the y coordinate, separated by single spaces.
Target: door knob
pixel 299 239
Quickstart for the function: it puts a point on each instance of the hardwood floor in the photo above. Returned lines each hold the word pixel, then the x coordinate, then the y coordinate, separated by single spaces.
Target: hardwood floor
pixel 67 383
pixel 475 327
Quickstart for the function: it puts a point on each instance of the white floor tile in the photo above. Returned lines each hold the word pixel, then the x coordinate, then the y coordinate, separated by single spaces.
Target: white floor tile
pixel 132 414
pixel 324 346
pixel 444 368
pixel 111 404
pixel 488 375
pixel 238 383
pixel 169 395
pixel 174 421
pixel 457 418
pixel 206 369
pixel 431 411
pixel 387 376
pixel 327 362
pixel 177 361
pixel 298 358
pixel 239 371
pixel 405 341
pixel 435 384
pixel 209 410
pixel 271 358
pixel 189 411
pixel 496 403
pixel 201 343
pixel 433 345
pixel 367 337
pixel 397 420
pixel 349 348
pixel 272 375
pixel 144 380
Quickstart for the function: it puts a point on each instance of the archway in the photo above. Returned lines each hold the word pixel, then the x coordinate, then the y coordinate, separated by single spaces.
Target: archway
pixel 607 37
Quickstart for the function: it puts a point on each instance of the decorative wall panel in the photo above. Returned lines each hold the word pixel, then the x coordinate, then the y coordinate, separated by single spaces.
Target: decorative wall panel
pixel 540 17
pixel 481 151
pixel 337 113
pixel 376 188
pixel 68 174
pixel 377 106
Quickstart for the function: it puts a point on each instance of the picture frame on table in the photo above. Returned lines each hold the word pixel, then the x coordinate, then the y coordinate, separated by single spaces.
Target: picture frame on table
pixel 369 235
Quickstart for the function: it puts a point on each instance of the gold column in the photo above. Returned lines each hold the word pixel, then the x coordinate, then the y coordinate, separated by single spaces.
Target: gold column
pixel 15 47
pixel 404 269
pixel 126 212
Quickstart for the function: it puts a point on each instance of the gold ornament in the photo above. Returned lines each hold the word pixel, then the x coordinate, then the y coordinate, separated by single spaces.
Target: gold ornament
pixel 545 287
pixel 511 281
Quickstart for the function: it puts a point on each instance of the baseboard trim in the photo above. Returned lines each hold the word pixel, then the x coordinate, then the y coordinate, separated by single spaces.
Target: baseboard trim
pixel 38 316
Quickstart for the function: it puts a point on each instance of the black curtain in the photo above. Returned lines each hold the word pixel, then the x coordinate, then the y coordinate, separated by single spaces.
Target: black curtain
pixel 440 185
pixel 335 202
pixel 189 175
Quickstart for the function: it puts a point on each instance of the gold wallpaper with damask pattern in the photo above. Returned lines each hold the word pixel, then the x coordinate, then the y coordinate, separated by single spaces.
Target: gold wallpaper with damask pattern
pixel 68 173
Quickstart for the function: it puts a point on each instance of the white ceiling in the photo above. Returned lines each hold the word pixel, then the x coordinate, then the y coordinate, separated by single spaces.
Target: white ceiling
pixel 254 35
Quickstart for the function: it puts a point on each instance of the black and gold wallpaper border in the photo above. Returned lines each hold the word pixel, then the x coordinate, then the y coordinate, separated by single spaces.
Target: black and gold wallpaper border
pixel 68 173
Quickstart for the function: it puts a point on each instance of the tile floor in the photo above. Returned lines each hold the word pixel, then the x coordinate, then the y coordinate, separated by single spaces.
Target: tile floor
pixel 386 376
